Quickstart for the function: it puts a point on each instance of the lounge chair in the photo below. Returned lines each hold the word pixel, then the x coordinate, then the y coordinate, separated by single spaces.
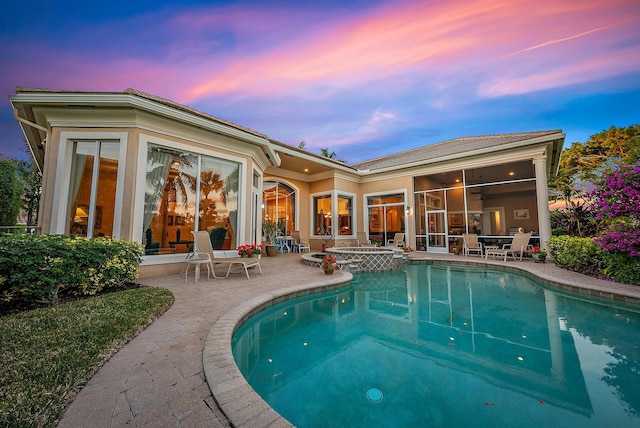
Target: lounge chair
pixel 397 241
pixel 471 245
pixel 203 245
pixel 517 247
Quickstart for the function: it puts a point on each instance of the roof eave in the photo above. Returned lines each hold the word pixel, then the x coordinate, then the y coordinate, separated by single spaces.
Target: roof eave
pixel 89 100
pixel 550 138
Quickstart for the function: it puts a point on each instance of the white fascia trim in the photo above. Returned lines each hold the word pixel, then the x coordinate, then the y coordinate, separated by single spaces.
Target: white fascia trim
pixel 491 158
pixel 134 101
pixel 463 155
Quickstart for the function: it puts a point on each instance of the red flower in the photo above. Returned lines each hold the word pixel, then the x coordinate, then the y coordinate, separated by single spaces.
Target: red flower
pixel 328 260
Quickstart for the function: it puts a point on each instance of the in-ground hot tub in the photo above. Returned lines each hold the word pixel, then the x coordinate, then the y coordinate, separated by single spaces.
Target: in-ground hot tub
pixel 370 259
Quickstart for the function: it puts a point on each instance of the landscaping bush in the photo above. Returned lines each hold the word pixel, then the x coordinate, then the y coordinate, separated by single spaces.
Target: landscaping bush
pixel 577 254
pixel 622 267
pixel 37 269
pixel 586 256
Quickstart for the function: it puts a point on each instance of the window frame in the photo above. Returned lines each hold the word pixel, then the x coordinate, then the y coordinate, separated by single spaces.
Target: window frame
pixel 137 219
pixel 334 195
pixel 63 173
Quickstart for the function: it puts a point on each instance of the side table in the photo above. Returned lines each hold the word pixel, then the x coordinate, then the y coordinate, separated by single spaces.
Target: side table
pixel 197 260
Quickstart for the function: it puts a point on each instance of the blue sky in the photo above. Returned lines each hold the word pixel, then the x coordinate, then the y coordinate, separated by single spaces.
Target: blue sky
pixel 362 78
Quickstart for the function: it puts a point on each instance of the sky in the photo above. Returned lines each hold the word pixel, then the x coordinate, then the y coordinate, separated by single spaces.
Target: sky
pixel 363 78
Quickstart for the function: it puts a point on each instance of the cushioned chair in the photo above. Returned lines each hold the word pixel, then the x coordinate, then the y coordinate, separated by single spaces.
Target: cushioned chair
pixel 517 247
pixel 471 245
pixel 203 245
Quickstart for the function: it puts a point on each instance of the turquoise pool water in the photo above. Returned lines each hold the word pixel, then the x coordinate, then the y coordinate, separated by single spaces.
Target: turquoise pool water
pixel 444 346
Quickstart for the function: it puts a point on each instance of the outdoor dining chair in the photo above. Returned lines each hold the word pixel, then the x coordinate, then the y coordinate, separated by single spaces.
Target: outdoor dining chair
pixel 362 240
pixel 397 241
pixel 299 245
pixel 471 245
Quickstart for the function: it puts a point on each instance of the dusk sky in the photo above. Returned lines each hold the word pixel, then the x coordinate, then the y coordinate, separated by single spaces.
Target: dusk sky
pixel 362 78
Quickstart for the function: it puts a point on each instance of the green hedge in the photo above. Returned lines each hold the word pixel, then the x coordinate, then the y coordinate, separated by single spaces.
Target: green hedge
pixel 37 269
pixel 586 256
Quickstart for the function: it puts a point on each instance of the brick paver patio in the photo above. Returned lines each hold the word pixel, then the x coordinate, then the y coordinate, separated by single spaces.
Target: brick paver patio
pixel 158 379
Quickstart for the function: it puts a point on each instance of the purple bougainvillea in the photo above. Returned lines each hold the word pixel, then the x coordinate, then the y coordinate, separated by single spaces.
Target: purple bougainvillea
pixel 617 198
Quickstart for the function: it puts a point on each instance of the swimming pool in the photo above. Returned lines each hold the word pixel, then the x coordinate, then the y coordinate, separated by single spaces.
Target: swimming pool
pixel 437 345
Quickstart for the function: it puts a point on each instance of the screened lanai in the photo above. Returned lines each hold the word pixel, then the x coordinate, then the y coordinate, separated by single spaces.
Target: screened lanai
pixel 493 202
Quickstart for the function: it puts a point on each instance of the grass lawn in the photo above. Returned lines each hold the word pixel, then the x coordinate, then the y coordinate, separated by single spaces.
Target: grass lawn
pixel 48 354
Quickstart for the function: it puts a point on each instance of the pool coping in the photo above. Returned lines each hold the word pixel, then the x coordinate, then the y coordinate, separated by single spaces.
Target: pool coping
pixel 245 408
pixel 233 395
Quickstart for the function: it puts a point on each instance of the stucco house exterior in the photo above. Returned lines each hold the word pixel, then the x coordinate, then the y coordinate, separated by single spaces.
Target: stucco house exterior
pixel 134 166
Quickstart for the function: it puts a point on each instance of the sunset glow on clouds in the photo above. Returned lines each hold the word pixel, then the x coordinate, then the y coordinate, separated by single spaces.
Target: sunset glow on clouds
pixel 361 78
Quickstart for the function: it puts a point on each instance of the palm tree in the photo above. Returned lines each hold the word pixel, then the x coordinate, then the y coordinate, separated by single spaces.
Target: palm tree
pixel 325 152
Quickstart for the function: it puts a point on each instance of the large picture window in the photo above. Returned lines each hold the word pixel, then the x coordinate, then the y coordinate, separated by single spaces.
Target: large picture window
pixel 184 192
pixel 93 188
pixel 322 218
pixel 279 201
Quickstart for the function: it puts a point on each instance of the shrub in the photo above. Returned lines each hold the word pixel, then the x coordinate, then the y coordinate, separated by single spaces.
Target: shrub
pixel 622 267
pixel 617 203
pixel 577 254
pixel 586 256
pixel 39 268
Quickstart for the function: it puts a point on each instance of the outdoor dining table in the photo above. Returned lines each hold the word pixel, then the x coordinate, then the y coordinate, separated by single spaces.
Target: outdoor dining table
pixel 497 241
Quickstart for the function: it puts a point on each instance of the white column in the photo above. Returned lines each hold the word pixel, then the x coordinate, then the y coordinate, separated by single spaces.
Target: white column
pixel 542 193
pixel 555 339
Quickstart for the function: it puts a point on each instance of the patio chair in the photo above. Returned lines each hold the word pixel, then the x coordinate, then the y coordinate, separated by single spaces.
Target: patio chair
pixel 362 241
pixel 397 241
pixel 517 247
pixel 471 245
pixel 203 245
pixel 299 244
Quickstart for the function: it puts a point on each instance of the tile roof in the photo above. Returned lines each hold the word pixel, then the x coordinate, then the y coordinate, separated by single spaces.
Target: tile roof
pixel 462 145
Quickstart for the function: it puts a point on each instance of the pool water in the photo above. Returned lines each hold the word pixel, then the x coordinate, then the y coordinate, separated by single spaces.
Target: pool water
pixel 434 345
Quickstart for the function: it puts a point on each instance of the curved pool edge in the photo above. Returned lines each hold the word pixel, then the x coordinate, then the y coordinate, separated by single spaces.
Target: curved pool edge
pixel 231 392
pixel 245 408
pixel 560 279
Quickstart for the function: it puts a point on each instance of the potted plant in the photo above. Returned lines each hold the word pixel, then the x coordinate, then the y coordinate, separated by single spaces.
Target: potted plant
pixel 270 230
pixel 539 255
pixel 328 264
pixel 250 250
pixel 326 237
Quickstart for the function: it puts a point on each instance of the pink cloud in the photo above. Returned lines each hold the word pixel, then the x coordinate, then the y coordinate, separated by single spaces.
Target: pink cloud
pixel 501 47
pixel 423 37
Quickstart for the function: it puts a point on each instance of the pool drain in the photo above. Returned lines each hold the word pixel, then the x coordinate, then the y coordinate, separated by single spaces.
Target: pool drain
pixel 374 395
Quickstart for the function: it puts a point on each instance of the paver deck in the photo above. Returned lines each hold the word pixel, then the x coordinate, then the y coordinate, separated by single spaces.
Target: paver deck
pixel 158 378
